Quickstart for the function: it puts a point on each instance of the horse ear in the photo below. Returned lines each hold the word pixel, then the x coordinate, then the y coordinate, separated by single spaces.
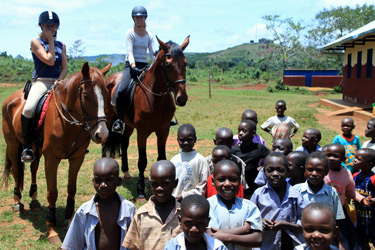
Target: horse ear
pixel 85 69
pixel 163 46
pixel 106 69
pixel 185 43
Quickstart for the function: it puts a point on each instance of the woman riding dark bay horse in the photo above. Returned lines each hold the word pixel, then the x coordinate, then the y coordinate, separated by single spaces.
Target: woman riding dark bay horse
pixel 153 105
pixel 75 113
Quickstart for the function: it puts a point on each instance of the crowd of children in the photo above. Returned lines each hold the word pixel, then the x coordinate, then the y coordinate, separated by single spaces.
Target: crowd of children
pixel 242 196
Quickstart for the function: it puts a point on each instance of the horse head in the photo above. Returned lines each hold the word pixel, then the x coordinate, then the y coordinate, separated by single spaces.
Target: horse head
pixel 174 67
pixel 94 97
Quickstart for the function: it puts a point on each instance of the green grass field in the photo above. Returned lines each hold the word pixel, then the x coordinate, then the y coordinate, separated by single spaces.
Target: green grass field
pixel 28 230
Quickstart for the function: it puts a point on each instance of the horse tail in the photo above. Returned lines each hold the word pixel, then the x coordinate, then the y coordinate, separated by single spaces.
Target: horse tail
pixel 8 169
pixel 112 147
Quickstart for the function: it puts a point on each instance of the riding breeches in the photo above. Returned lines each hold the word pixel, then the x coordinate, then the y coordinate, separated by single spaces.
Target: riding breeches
pixel 38 89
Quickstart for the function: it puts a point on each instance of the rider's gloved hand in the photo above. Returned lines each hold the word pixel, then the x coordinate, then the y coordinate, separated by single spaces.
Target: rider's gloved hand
pixel 134 72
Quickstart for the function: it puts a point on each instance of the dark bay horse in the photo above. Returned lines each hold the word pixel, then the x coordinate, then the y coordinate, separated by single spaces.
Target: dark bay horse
pixel 154 106
pixel 75 113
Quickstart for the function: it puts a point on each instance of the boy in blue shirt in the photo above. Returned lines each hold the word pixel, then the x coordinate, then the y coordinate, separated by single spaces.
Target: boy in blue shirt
pixel 102 222
pixel 280 206
pixel 365 185
pixel 235 221
pixel 194 218
pixel 350 141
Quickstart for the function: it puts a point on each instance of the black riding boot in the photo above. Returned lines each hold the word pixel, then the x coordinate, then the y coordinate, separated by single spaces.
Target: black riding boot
pixel 27 137
pixel 118 125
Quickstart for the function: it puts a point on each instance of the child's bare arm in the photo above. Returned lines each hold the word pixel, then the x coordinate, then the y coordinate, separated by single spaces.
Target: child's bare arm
pixel 294 132
pixel 251 239
pixel 245 229
pixel 267 130
pixel 286 226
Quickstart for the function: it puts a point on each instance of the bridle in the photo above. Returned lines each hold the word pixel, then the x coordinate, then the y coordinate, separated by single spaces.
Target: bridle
pixel 170 85
pixel 73 121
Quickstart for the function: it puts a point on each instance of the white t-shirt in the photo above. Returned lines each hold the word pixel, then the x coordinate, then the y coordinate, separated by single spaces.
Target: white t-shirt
pixel 137 45
pixel 192 173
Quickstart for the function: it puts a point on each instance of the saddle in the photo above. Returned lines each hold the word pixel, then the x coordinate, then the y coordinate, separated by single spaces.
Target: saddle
pixel 41 109
pixel 128 98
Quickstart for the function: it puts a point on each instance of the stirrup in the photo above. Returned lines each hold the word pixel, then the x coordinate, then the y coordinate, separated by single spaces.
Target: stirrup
pixel 173 123
pixel 118 126
pixel 27 155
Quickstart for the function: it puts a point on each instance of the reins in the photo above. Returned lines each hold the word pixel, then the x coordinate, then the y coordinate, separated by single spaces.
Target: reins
pixel 73 121
pixel 168 82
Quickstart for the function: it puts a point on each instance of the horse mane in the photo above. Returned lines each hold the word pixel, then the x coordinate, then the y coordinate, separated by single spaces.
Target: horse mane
pixel 175 49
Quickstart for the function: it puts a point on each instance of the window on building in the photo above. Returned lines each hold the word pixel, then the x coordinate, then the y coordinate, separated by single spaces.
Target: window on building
pixel 349 67
pixel 359 64
pixel 369 63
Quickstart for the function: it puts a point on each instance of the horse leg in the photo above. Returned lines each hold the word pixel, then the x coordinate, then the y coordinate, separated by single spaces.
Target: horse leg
pixel 142 163
pixel 51 164
pixel 16 167
pixel 33 193
pixel 74 167
pixel 124 149
pixel 162 136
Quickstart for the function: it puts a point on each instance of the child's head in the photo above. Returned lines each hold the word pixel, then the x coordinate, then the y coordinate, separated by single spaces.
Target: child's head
pixel 224 136
pixel 106 178
pixel 186 137
pixel 282 145
pixel 335 154
pixel 280 108
pixel 316 168
pixel 194 217
pixel 219 153
pixel 226 178
pixel 311 137
pixel 276 169
pixel 347 126
pixel 370 129
pixel 163 180
pixel 364 159
pixel 296 161
pixel 250 114
pixel 246 130
pixel 318 225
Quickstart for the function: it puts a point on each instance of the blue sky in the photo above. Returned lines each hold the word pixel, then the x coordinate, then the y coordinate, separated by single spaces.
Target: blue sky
pixel 101 24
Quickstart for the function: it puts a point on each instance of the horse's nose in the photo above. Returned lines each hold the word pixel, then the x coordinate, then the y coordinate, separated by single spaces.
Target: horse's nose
pixel 181 100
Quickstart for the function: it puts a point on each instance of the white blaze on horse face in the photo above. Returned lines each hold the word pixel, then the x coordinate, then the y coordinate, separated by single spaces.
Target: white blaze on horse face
pixel 101 133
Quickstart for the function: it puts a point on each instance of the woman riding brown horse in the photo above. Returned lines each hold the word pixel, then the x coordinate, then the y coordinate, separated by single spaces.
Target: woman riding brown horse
pixel 153 105
pixel 75 113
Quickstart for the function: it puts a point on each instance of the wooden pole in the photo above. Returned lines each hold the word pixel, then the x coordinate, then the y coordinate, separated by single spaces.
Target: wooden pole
pixel 209 84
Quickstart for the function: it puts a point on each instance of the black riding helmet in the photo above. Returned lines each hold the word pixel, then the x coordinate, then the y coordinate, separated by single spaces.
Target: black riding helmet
pixel 139 11
pixel 49 17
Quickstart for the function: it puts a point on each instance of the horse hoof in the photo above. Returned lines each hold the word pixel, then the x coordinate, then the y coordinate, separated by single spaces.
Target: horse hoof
pixel 54 239
pixel 127 177
pixel 35 205
pixel 19 207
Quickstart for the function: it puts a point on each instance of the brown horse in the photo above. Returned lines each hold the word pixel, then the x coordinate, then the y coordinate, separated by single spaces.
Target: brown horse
pixel 75 113
pixel 153 105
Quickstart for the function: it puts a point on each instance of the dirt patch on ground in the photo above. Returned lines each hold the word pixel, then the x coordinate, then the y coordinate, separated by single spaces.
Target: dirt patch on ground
pixel 10 85
pixel 247 87
pixel 334 122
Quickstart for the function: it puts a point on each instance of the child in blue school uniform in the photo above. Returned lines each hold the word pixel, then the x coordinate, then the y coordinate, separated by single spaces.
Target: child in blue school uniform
pixel 365 185
pixel 280 206
pixel 235 221
pixel 194 219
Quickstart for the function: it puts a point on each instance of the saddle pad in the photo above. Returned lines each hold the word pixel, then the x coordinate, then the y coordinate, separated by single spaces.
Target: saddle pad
pixel 41 110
